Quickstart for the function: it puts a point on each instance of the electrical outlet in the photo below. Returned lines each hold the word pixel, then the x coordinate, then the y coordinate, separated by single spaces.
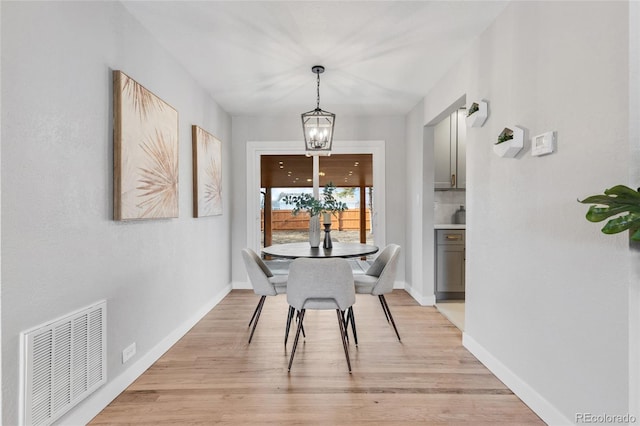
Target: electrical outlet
pixel 128 352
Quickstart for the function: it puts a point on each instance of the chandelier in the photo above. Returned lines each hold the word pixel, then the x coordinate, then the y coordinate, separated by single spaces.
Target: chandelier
pixel 317 125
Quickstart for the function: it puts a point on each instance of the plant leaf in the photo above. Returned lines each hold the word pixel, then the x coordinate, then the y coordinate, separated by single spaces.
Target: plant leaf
pixel 598 214
pixel 599 199
pixel 618 199
pixel 621 190
pixel 622 223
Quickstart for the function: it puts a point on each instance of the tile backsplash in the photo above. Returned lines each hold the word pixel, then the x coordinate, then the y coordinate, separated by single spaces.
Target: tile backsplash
pixel 445 205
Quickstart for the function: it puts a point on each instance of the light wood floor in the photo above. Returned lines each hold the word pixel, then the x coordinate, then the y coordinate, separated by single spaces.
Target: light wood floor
pixel 211 376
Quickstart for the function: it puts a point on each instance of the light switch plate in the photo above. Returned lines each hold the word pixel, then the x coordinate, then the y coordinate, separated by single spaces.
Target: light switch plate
pixel 128 352
pixel 543 144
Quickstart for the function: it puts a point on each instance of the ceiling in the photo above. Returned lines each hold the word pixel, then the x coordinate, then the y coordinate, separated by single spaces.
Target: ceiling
pixel 294 171
pixel 255 58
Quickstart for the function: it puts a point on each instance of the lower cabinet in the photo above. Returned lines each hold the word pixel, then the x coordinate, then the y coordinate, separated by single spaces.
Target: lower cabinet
pixel 450 259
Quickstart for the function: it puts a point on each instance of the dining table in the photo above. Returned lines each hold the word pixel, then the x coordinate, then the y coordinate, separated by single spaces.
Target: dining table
pixel 303 249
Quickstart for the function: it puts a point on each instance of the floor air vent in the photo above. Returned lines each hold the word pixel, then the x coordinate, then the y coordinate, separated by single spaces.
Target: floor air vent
pixel 62 363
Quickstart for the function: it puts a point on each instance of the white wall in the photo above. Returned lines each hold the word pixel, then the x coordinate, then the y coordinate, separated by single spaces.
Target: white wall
pixel 546 291
pixel 0 231
pixel 61 250
pixel 634 182
pixel 287 128
pixel 413 189
pixel 419 251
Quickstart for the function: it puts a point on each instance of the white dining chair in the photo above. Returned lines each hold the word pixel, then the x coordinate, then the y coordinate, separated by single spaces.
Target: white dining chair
pixel 263 281
pixel 378 280
pixel 321 284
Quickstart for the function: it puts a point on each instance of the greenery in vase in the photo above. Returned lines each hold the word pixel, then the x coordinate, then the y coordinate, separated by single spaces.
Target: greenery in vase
pixel 307 202
pixel 474 108
pixel 619 200
pixel 504 137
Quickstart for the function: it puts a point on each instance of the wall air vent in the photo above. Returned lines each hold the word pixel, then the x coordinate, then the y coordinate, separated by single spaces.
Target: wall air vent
pixel 62 362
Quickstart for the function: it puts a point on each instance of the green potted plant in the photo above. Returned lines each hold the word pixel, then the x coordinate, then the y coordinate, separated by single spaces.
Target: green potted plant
pixel 327 204
pixel 510 142
pixel 620 201
pixel 307 202
pixel 304 202
pixel 503 137
pixel 476 114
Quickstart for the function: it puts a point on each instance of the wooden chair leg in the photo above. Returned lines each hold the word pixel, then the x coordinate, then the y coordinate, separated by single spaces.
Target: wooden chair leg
pixel 295 342
pixel 259 310
pixel 343 333
pixel 390 316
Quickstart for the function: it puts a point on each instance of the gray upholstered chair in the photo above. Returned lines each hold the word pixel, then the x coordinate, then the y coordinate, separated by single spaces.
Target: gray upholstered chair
pixel 320 284
pixel 263 281
pixel 379 279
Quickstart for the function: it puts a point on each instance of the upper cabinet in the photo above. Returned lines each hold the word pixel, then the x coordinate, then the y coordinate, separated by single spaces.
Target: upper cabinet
pixel 450 136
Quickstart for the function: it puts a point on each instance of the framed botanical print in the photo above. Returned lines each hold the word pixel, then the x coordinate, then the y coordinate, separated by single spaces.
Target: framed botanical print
pixel 145 154
pixel 207 173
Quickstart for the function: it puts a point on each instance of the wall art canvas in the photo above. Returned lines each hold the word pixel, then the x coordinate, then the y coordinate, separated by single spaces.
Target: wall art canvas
pixel 145 139
pixel 207 173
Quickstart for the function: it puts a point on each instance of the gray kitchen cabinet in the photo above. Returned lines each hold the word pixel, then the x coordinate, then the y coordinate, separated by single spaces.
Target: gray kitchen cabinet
pixel 449 152
pixel 450 260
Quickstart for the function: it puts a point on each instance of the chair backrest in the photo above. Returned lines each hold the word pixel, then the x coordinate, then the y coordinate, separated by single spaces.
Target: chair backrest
pixel 320 284
pixel 259 273
pixel 385 267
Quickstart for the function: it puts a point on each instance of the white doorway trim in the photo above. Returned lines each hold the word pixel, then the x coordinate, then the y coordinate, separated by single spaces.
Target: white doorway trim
pixel 255 149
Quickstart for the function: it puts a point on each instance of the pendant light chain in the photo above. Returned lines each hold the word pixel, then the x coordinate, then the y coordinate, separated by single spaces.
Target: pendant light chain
pixel 318 98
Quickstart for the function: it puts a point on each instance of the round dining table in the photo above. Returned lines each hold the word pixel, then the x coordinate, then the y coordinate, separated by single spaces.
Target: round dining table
pixel 296 250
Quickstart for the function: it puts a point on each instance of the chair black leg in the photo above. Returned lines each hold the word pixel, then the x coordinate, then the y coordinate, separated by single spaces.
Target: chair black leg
pixel 383 307
pixel 259 310
pixel 343 333
pixel 295 341
pixel 289 318
pixel 351 316
pixel 345 323
pixel 390 316
pixel 256 310
pixel 298 319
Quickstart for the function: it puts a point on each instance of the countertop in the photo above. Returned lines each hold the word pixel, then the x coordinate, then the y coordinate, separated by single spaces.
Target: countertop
pixel 449 226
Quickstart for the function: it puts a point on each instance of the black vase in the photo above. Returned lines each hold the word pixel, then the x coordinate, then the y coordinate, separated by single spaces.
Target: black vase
pixel 327 236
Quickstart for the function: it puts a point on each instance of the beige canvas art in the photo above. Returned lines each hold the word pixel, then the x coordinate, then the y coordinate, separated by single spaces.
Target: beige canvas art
pixel 207 173
pixel 145 141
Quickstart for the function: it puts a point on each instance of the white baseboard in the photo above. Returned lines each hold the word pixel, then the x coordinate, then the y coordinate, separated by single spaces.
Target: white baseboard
pixel 543 408
pixel 429 300
pixel 240 285
pixel 95 403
